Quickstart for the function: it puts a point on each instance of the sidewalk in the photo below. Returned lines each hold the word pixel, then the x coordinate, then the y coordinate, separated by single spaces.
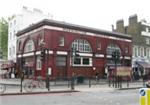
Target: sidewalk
pixel 13 87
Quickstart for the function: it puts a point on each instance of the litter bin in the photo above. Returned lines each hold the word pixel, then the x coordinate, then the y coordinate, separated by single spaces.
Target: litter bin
pixel 144 96
pixel 80 79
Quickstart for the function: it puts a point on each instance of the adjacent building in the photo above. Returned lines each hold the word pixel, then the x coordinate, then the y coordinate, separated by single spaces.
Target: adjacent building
pixel 62 49
pixel 140 32
pixel 19 22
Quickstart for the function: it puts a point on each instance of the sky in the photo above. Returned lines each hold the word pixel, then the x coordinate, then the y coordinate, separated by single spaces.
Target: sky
pixel 99 14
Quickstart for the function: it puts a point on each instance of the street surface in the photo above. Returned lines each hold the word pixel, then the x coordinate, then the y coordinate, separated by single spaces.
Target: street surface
pixel 92 97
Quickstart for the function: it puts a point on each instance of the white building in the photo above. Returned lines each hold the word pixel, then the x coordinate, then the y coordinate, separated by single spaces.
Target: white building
pixel 19 22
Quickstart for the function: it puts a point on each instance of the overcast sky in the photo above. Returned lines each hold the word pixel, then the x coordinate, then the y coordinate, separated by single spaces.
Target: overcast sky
pixel 93 13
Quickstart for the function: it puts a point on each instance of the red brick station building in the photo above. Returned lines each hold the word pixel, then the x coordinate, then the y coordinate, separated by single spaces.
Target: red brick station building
pixel 61 49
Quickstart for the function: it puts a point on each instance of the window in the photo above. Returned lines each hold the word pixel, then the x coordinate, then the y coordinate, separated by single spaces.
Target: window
pixel 86 61
pixel 14 34
pixel 82 61
pixel 147 52
pixel 135 51
pixel 61 61
pixel 13 49
pixel 14 22
pixel 81 45
pixel 10 35
pixel 126 50
pixel 29 46
pixel 38 64
pixel 147 40
pixel 146 29
pixel 9 51
pixel 111 48
pixel 61 41
pixel 77 61
pixel 98 45
pixel 139 51
pixel 142 52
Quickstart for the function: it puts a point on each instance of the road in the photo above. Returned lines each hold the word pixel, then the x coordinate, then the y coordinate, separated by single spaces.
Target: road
pixel 115 97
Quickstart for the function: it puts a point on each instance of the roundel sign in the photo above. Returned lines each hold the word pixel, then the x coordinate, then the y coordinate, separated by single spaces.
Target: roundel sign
pixel 142 92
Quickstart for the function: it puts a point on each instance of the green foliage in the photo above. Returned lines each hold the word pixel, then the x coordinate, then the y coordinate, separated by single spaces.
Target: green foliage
pixel 3 36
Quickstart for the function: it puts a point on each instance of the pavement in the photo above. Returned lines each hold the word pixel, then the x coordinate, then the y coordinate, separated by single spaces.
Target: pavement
pixel 13 87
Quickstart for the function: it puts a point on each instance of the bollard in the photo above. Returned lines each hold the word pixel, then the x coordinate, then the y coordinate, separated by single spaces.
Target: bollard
pixel 89 82
pixel 127 82
pixel 118 79
pixel 72 83
pixel 109 83
pixel 120 82
pixel 144 96
pixel 115 81
pixel 47 82
pixel 68 82
pixel 22 78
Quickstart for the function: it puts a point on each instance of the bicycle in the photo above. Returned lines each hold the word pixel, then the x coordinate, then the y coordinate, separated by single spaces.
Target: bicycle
pixel 2 88
pixel 29 86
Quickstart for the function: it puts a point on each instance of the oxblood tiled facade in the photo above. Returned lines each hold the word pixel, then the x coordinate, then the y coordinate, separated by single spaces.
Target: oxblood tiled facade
pixel 50 32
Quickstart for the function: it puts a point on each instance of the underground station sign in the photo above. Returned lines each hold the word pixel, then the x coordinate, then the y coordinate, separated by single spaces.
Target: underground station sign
pixel 144 96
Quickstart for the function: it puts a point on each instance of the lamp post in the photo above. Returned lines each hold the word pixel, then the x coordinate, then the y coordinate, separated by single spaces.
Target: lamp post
pixel 74 55
pixel 22 62
pixel 116 58
pixel 48 70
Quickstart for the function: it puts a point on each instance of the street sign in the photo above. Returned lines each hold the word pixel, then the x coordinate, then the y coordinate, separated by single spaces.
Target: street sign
pixel 49 71
pixel 144 96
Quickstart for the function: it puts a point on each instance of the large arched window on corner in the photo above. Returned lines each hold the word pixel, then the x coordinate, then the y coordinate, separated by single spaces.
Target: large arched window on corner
pixel 29 46
pixel 81 45
pixel 84 48
pixel 111 48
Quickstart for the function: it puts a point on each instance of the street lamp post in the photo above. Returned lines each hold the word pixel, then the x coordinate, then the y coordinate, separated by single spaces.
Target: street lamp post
pixel 22 62
pixel 116 58
pixel 74 55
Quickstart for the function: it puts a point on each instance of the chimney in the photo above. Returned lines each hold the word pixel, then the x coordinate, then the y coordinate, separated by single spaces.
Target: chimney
pixel 25 8
pixel 133 19
pixel 112 27
pixel 120 26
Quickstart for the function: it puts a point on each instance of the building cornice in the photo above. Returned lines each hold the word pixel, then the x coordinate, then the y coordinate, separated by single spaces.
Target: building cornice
pixel 64 25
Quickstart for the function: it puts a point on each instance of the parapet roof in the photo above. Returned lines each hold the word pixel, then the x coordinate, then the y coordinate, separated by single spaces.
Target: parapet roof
pixel 72 26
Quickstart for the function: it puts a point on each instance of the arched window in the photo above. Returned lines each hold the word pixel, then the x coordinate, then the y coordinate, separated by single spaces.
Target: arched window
pixel 111 48
pixel 29 46
pixel 81 45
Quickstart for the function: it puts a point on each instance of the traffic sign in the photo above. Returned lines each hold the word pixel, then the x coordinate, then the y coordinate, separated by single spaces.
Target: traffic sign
pixel 142 92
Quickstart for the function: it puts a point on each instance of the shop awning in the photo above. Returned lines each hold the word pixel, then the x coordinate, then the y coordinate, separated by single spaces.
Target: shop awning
pixel 143 64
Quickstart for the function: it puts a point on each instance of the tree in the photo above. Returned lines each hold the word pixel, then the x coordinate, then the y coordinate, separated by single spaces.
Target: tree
pixel 3 37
